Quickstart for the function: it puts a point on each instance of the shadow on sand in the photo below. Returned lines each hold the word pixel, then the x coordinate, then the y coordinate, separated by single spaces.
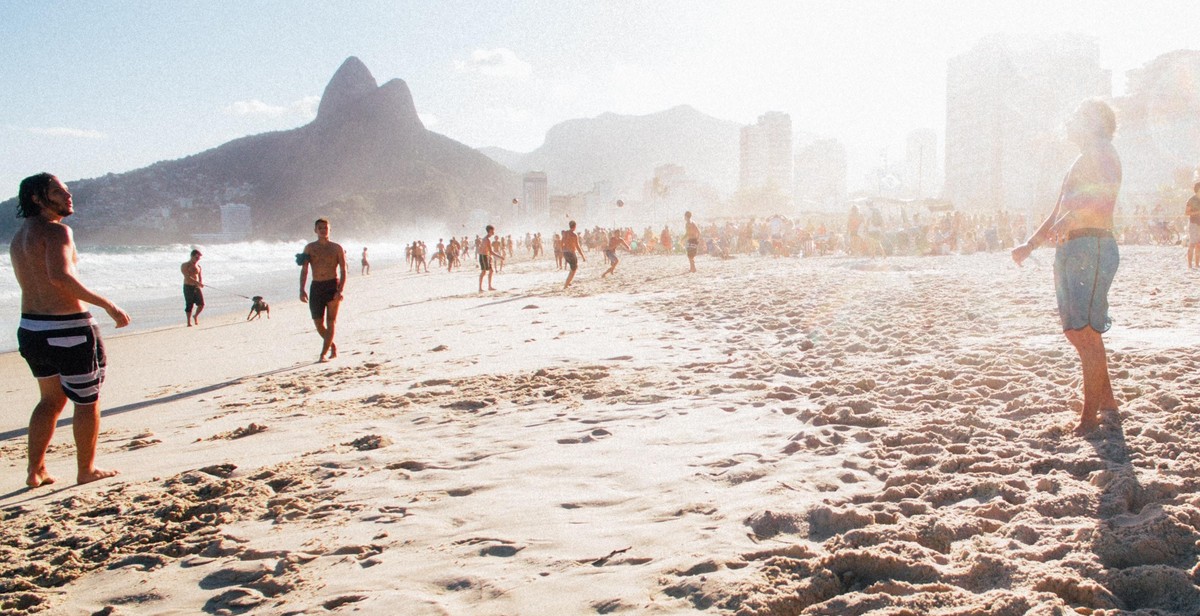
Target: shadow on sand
pixel 1144 545
pixel 137 406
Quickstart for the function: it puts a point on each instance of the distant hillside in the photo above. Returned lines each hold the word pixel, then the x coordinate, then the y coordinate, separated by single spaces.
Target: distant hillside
pixel 366 161
pixel 625 150
pixel 508 158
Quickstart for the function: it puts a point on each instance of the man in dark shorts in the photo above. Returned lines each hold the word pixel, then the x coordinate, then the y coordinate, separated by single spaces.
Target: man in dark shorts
pixel 571 246
pixel 1087 258
pixel 692 238
pixel 57 336
pixel 488 254
pixel 193 283
pixel 324 297
pixel 616 240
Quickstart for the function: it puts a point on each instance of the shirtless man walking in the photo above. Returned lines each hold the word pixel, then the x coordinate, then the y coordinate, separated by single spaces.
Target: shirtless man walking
pixel 58 337
pixel 324 296
pixel 193 282
pixel 418 255
pixel 487 257
pixel 452 254
pixel 571 246
pixel 692 238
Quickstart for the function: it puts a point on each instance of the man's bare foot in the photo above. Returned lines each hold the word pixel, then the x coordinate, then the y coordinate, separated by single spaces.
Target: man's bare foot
pixel 95 474
pixel 1087 424
pixel 491 288
pixel 38 478
pixel 332 351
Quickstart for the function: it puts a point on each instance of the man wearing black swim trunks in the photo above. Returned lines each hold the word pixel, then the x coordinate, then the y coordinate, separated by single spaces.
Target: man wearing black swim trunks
pixel 193 282
pixel 571 246
pixel 487 257
pixel 324 296
pixel 58 338
pixel 616 240
pixel 692 237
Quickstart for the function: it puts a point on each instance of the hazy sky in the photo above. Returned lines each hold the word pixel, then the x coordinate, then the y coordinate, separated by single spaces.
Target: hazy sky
pixel 92 87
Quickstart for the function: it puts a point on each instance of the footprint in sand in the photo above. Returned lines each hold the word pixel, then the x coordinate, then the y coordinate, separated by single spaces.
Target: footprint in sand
pixel 492 547
pixel 236 574
pixel 223 471
pixel 337 602
pixel 242 432
pixel 141 442
pixel 143 562
pixel 234 601
pixel 502 551
pixel 591 436
pixel 370 442
pixel 609 606
pixel 359 552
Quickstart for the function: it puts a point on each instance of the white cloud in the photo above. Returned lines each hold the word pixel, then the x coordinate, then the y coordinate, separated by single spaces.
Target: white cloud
pixel 499 62
pixel 303 108
pixel 428 119
pixel 72 133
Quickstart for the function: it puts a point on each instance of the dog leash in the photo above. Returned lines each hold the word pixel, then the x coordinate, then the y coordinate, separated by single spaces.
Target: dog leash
pixel 208 286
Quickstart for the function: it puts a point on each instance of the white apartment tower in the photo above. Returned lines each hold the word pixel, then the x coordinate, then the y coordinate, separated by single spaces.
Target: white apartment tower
pixel 236 221
pixel 1158 124
pixel 535 195
pixel 1006 100
pixel 766 154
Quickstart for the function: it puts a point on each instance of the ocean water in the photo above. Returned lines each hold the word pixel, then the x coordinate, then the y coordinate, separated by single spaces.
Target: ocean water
pixel 145 280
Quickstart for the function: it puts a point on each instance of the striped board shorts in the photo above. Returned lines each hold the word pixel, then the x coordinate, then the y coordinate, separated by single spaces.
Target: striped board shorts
pixel 67 346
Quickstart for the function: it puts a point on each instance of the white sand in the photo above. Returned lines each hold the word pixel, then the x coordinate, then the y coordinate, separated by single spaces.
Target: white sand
pixel 816 436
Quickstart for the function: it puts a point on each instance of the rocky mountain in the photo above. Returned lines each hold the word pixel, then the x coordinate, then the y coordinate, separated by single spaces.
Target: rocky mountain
pixel 366 161
pixel 625 150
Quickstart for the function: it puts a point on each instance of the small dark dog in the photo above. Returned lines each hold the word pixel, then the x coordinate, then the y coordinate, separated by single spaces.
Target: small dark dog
pixel 257 308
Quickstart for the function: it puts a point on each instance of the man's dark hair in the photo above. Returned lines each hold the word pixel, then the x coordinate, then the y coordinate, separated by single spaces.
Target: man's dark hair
pixel 319 221
pixel 489 228
pixel 33 186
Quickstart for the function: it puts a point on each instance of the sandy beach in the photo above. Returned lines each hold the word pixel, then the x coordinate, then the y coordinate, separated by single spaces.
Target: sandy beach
pixel 821 436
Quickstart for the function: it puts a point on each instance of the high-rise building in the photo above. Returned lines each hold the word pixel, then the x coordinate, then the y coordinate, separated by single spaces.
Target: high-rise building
pixel 921 176
pixel 1006 100
pixel 535 195
pixel 821 175
pixel 1158 123
pixel 766 154
pixel 236 221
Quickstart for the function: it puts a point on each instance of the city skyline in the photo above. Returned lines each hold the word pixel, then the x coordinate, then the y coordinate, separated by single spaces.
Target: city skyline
pixel 123 85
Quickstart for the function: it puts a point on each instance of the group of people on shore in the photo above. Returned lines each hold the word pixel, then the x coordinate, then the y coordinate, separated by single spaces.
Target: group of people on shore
pixel 61 341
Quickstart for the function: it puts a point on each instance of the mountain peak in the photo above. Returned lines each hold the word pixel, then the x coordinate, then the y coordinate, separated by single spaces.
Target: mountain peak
pixel 350 83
